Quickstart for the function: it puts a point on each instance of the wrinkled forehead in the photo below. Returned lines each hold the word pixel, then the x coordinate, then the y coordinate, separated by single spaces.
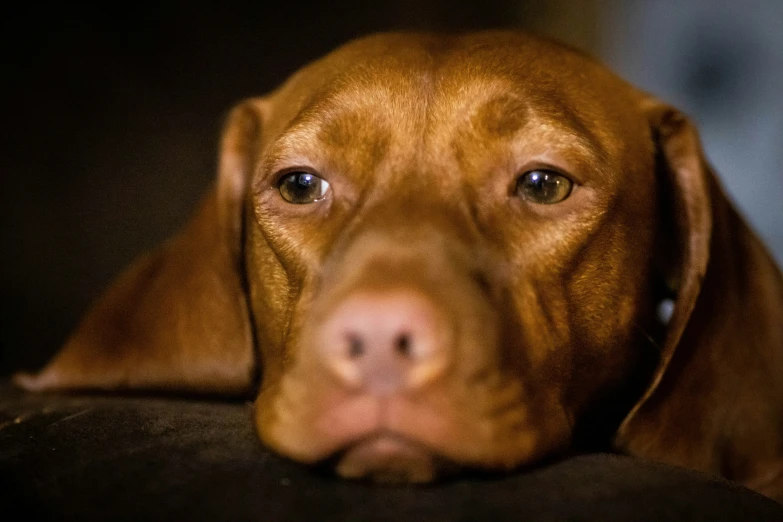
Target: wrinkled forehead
pixel 426 93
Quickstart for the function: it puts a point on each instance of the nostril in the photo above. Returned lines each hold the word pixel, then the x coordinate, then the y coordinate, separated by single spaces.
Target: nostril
pixel 403 344
pixel 355 347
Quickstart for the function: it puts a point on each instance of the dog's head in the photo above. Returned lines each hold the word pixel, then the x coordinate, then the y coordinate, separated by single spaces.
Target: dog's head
pixel 448 250
pixel 444 249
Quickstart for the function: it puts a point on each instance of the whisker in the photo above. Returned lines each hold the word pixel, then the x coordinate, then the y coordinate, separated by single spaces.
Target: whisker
pixel 655 344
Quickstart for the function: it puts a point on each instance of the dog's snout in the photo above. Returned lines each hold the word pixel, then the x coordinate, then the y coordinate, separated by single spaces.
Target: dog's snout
pixel 386 342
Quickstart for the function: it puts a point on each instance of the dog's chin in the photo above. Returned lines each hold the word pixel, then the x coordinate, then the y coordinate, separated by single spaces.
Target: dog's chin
pixel 387 458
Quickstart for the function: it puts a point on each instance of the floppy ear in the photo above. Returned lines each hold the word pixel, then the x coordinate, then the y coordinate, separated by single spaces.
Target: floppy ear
pixel 177 319
pixel 715 401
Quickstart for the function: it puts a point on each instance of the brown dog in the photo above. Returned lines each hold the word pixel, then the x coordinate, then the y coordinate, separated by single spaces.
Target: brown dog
pixel 450 250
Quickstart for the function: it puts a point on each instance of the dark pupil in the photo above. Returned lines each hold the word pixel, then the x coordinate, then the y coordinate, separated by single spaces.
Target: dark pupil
pixel 302 185
pixel 541 185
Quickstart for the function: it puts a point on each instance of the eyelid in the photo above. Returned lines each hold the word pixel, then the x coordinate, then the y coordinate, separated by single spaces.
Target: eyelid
pixel 549 167
pixel 280 175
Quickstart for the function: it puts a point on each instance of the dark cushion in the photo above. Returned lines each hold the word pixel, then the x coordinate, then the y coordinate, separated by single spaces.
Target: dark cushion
pixel 137 458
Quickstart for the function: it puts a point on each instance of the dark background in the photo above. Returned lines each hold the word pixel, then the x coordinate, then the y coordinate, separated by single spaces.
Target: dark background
pixel 111 119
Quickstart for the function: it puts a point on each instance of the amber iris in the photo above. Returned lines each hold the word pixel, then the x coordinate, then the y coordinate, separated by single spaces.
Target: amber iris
pixel 302 187
pixel 544 187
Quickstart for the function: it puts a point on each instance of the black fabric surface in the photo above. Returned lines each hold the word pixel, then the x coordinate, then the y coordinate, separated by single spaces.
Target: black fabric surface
pixel 136 458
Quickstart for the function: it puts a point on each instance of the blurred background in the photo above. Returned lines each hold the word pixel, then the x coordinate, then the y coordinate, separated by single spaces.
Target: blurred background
pixel 111 117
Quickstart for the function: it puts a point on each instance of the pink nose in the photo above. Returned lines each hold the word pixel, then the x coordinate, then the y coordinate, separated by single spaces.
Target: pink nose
pixel 386 342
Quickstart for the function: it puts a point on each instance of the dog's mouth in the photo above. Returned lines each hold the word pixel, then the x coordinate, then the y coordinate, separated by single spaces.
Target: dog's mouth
pixel 389 458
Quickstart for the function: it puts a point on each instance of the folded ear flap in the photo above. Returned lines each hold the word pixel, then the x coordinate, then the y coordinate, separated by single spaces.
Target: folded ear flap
pixel 715 401
pixel 177 319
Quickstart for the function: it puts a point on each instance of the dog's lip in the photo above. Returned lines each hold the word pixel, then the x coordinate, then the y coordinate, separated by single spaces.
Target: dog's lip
pixel 388 457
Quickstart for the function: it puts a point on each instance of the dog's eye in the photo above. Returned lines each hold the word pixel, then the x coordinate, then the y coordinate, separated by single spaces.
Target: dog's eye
pixel 544 186
pixel 302 187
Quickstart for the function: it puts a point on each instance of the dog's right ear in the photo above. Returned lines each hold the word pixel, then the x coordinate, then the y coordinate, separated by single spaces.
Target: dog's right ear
pixel 177 319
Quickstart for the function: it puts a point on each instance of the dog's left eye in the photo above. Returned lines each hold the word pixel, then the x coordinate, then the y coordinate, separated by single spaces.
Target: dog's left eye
pixel 543 186
pixel 302 187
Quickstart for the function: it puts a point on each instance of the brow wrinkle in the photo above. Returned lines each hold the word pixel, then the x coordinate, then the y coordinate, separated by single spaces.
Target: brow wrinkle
pixel 564 118
pixel 501 116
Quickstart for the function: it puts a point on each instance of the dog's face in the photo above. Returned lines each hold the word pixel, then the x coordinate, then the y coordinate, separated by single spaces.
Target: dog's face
pixel 447 245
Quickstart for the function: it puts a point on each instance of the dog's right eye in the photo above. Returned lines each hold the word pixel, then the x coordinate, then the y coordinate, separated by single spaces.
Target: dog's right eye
pixel 302 187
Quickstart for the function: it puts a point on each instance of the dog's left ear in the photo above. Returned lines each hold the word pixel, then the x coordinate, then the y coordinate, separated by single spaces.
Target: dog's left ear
pixel 177 319
pixel 715 401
